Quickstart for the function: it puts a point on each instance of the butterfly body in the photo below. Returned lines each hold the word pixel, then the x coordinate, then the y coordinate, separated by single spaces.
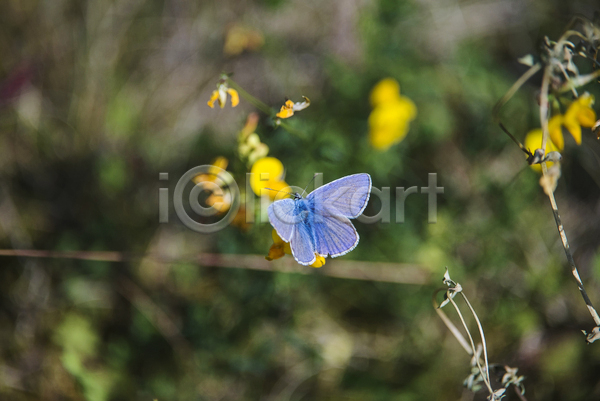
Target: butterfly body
pixel 319 224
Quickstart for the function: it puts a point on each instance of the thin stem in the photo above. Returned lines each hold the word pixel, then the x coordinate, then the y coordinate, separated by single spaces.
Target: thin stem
pixel 251 99
pixel 544 107
pixel 487 368
pixel 567 248
pixel 559 225
pixel 291 130
pixel 453 329
pixel 518 392
pixel 514 88
pixel 354 270
pixel 485 374
pixel 568 78
pixel 569 33
pixel 576 82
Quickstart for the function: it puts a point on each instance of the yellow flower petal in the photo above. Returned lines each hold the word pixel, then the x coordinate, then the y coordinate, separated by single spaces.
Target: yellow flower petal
pixel 319 262
pixel 587 117
pixel 386 90
pixel 239 38
pixel 265 169
pixel 389 122
pixel 285 113
pixel 408 107
pixel 279 247
pixel 267 173
pixel 585 100
pixel 220 201
pixel 383 138
pixel 287 110
pixel 555 131
pixel 275 252
pixel 220 163
pixel 213 97
pixel 276 238
pixel 580 113
pixel 575 129
pixel 220 94
pixel 235 97
pixel 533 141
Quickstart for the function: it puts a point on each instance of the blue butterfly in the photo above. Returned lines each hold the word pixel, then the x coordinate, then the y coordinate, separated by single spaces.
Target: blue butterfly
pixel 319 223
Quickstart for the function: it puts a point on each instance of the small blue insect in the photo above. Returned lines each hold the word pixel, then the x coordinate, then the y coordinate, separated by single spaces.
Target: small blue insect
pixel 319 223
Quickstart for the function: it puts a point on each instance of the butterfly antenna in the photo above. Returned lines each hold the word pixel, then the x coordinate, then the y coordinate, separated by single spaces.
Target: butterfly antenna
pixel 532 158
pixel 515 140
pixel 310 182
pixel 271 189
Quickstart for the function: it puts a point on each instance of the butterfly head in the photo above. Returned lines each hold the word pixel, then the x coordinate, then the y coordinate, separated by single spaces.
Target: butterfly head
pixel 297 196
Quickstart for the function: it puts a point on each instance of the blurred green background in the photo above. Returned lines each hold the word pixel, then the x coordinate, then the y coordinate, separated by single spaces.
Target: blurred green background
pixel 99 97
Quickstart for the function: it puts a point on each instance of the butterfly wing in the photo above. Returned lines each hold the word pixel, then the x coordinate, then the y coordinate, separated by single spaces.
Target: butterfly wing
pixel 303 243
pixel 292 221
pixel 347 196
pixel 334 235
pixel 283 216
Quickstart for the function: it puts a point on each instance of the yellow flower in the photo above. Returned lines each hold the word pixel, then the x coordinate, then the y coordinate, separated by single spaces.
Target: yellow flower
pixel 579 114
pixel 220 94
pixel 533 141
pixel 268 172
pixel 218 199
pixel 220 163
pixel 386 91
pixel 289 107
pixel 391 115
pixel 280 248
pixel 287 110
pixel 319 262
pixel 240 38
